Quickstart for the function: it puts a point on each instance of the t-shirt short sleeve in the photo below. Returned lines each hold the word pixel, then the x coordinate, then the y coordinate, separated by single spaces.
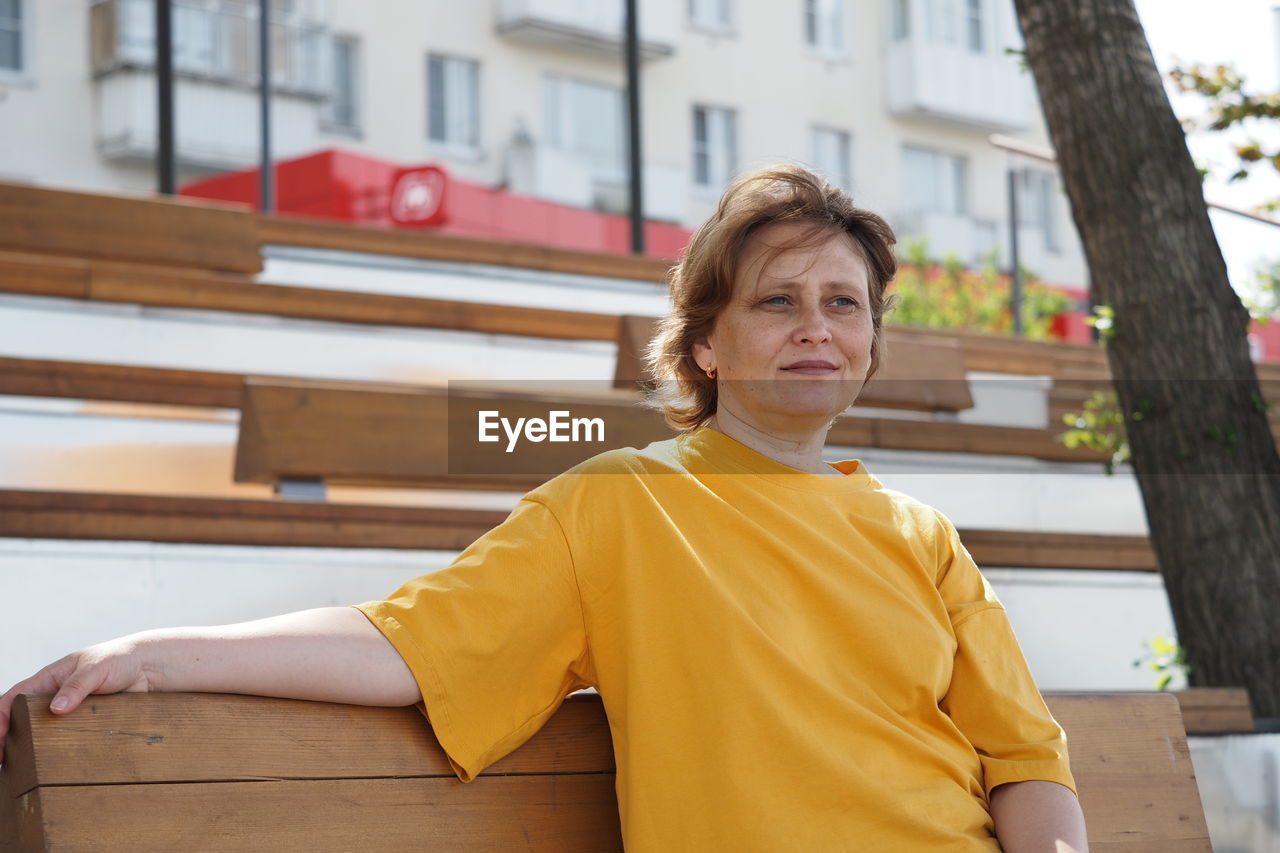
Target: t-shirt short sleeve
pixel 992 697
pixel 496 641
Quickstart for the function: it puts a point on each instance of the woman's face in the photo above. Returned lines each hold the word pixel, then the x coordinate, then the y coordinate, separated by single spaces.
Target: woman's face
pixel 793 347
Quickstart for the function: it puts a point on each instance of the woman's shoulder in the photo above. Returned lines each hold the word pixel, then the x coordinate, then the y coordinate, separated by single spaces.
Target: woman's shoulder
pixel 613 468
pixel 912 511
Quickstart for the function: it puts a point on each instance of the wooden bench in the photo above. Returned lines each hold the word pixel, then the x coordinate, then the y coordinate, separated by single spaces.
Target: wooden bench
pixel 161 772
pixel 28 514
pixel 355 434
pixel 136 229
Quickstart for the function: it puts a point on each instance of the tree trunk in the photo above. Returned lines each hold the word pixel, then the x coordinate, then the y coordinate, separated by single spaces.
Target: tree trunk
pixel 1202 448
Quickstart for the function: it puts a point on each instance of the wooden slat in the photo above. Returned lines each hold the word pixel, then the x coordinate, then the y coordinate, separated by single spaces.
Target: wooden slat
pixel 1130 759
pixel 146 230
pixel 422 437
pixel 562 813
pixel 152 518
pixel 414 243
pixel 120 382
pixel 43 275
pixel 112 769
pixel 221 521
pixel 1215 710
pixel 1069 395
pixel 992 548
pixel 356 435
pixel 634 335
pixel 172 288
pixel 133 738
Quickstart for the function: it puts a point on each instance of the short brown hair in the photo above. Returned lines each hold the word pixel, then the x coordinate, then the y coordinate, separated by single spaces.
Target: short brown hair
pixel 702 282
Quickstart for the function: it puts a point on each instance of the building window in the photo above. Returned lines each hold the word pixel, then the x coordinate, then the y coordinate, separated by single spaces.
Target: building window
pixel 973 24
pixel 900 19
pixel 824 27
pixel 713 15
pixel 1037 205
pixel 934 182
pixel 829 155
pixel 13 59
pixel 941 19
pixel 453 101
pixel 957 22
pixel 343 109
pixel 715 146
pixel 585 120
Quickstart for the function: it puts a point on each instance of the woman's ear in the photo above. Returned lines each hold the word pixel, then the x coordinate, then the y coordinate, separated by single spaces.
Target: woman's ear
pixel 703 355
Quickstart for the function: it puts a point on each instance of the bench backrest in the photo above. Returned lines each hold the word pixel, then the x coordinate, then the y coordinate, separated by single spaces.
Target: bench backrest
pixel 121 228
pixel 145 772
pixel 358 434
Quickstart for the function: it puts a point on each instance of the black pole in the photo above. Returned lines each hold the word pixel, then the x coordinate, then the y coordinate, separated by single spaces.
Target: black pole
pixel 633 128
pixel 1015 273
pixel 164 99
pixel 267 190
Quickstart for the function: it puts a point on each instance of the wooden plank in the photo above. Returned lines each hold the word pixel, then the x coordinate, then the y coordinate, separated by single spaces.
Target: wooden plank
pixel 1069 395
pixel 564 813
pixel 42 275
pixel 21 820
pixel 136 738
pixel 153 518
pixel 222 521
pixel 1130 759
pixel 354 434
pixel 414 243
pixel 1215 710
pixel 634 335
pixel 360 434
pixel 120 382
pixel 922 375
pixel 951 437
pixel 171 231
pixel 991 548
pixel 206 291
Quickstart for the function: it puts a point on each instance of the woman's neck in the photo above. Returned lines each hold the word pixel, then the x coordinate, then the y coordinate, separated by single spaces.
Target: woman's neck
pixel 800 450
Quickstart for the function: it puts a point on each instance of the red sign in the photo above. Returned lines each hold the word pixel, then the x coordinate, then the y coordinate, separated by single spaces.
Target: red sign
pixel 418 195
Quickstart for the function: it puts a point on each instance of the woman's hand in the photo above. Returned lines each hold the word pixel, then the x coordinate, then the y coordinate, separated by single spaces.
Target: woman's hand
pixel 330 654
pixel 115 666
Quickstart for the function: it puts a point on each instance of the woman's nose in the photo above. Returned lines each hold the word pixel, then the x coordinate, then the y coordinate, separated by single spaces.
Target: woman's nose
pixel 812 327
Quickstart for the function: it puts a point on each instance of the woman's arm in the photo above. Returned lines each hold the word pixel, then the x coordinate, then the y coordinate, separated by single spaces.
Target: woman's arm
pixel 1038 817
pixel 331 654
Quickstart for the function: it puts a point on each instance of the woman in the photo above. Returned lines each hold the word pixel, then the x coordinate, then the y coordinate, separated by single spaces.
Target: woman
pixel 791 656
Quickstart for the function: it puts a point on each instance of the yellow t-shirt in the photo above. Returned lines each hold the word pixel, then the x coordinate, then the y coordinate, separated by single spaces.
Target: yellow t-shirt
pixel 788 661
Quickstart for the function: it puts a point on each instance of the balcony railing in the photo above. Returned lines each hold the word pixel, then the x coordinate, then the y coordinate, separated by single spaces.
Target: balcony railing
pixel 216 40
pixel 948 82
pixel 590 26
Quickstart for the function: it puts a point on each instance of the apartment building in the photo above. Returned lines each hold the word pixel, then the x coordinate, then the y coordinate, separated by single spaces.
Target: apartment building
pixel 893 99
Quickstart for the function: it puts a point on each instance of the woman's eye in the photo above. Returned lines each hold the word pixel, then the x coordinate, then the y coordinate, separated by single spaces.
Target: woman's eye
pixel 776 300
pixel 844 302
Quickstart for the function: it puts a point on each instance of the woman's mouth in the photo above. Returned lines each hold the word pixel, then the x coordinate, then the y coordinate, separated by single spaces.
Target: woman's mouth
pixel 811 368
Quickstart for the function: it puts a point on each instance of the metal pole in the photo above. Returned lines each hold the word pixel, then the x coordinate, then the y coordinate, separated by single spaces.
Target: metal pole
pixel 1015 273
pixel 165 166
pixel 633 128
pixel 267 190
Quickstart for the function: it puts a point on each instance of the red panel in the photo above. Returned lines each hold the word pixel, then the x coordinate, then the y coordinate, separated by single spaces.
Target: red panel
pixel 355 187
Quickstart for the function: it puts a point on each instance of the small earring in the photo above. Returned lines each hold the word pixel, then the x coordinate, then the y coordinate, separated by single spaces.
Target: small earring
pixel 711 373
